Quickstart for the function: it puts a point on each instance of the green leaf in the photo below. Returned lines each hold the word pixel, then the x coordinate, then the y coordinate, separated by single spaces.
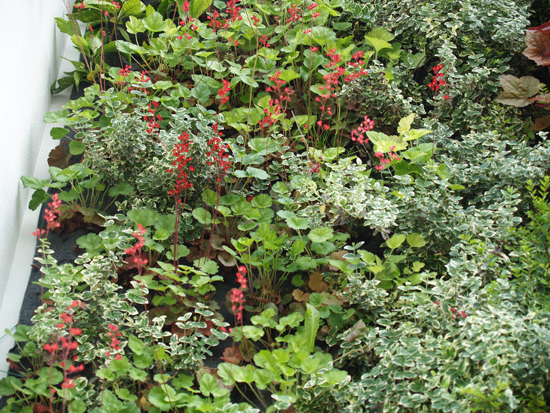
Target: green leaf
pixel 38 198
pixel 158 397
pixel 198 7
pixel 416 240
pixel 311 326
pixel 334 376
pixel 206 265
pixel 76 147
pixel 253 333
pixel 58 133
pixel 90 242
pixel 9 385
pixel 262 201
pixel 382 34
pixel 316 300
pixel 323 248
pixel 145 217
pixel 154 22
pixel 243 374
pixel 265 319
pixel 34 183
pixel 59 116
pixel 225 371
pixel 208 384
pixel 289 75
pixel 120 366
pixel 134 26
pixel 202 215
pixel 292 320
pixel 395 241
pixel 122 188
pixel 377 43
pixel 297 223
pixel 320 234
pixel 132 8
pixel 443 171
pixel 252 172
pixel 405 123
pixel 414 134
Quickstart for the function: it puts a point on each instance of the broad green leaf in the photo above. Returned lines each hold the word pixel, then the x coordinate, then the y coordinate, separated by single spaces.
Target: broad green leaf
pixel 377 43
pixel 208 384
pixel 202 215
pixel 132 8
pixel 289 75
pixel 121 188
pixel 292 320
pixel 416 240
pixel 395 241
pixel 265 319
pixel 154 22
pixel 297 223
pixel 405 123
pixel 34 183
pixel 76 147
pixel 198 7
pixel 262 201
pixel 320 234
pixel 334 376
pixel 382 34
pixel 59 116
pixel 414 134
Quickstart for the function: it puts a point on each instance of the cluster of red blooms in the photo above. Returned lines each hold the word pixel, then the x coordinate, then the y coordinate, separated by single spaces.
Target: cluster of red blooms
pixel 237 296
pixel 181 152
pixel 136 248
pixel 359 62
pixel 358 134
pixel 264 40
pixel 383 160
pixel 214 22
pixel 311 7
pixel 67 345
pixel 219 151
pixel 315 167
pixel 276 107
pixel 438 80
pixel 80 6
pixel 224 91
pixel 52 213
pixel 334 58
pixel 152 119
pixel 234 12
pixel 294 13
pixel 115 343
pixel 143 78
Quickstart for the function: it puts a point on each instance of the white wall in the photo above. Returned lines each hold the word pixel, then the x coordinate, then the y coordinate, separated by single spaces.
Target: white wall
pixel 30 50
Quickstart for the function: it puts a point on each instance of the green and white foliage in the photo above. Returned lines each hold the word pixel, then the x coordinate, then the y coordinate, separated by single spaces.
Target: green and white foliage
pixel 464 343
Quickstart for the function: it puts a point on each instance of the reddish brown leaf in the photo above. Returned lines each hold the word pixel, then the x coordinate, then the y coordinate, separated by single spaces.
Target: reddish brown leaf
pixel 232 355
pixel 316 282
pixel 300 296
pixel 226 259
pixel 541 123
pixel 538 47
pixel 59 157
pixel 517 92
pixel 544 28
pixel 193 255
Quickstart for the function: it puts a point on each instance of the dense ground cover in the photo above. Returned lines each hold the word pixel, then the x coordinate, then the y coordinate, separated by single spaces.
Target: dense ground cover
pixel 370 180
